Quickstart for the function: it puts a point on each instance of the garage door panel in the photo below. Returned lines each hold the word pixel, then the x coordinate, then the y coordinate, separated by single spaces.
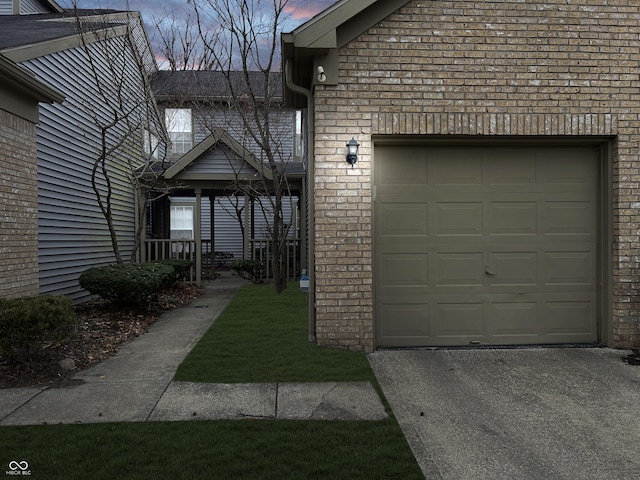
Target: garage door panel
pixel 454 168
pixel 513 269
pixel 460 218
pixel 403 219
pixel 569 317
pixel 498 247
pixel 513 218
pixel 566 167
pixel 514 319
pixel 407 167
pixel 569 218
pixel 501 168
pixel 464 320
pixel 568 268
pixel 405 320
pixel 459 269
pixel 404 269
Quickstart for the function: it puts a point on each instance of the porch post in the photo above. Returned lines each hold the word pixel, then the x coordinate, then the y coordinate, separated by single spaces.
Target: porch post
pixel 143 232
pixel 252 201
pixel 212 216
pixel 245 240
pixel 141 229
pixel 197 226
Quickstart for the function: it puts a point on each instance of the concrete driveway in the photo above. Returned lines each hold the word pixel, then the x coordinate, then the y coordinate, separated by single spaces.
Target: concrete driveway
pixel 552 413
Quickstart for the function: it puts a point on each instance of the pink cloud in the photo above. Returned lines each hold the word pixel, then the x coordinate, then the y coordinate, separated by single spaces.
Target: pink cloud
pixel 304 11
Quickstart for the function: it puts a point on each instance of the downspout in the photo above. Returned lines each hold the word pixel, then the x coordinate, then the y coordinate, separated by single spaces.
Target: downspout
pixel 310 193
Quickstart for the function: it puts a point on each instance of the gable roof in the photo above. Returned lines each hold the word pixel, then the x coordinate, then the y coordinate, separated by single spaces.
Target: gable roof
pixel 212 85
pixel 21 30
pixel 218 135
pixel 23 37
pixel 316 41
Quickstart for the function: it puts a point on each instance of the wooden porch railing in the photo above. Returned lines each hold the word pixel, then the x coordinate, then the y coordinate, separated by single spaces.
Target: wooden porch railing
pixel 260 249
pixel 171 249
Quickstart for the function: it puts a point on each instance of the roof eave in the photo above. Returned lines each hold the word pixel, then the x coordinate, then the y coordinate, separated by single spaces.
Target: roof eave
pixel 23 81
pixel 315 43
pixel 57 8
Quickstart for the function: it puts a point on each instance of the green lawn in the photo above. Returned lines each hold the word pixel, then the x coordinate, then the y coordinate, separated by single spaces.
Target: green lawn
pixel 263 337
pixel 241 449
pixel 260 337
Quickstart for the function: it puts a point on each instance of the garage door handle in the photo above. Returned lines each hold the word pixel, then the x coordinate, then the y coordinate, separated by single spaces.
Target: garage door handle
pixel 488 272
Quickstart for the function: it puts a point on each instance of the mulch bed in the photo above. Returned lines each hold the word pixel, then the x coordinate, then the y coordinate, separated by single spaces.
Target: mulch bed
pixel 633 358
pixel 100 331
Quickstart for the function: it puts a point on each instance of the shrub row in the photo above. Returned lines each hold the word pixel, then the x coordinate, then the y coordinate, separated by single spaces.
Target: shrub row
pixel 252 270
pixel 27 322
pixel 134 283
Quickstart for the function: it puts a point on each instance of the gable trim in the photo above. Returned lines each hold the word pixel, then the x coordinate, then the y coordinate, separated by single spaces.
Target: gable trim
pixel 219 135
pixel 314 44
pixel 23 53
pixel 57 8
pixel 321 32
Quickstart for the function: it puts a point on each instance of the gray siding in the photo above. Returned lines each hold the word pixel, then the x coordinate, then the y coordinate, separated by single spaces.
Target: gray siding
pixel 32 6
pixel 6 7
pixel 73 233
pixel 218 160
pixel 227 229
pixel 281 125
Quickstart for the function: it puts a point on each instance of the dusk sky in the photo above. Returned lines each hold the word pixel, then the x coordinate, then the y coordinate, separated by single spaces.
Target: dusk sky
pixel 298 10
pixel 157 11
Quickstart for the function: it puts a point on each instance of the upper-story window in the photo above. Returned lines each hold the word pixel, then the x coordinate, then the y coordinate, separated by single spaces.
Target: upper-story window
pixel 151 145
pixel 178 121
pixel 297 134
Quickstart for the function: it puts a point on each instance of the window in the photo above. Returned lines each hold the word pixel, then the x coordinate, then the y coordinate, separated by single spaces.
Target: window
pixel 178 121
pixel 150 145
pixel 297 134
pixel 181 222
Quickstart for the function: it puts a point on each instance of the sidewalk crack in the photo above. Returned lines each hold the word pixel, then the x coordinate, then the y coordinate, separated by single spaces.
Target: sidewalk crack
pixel 322 400
pixel 22 405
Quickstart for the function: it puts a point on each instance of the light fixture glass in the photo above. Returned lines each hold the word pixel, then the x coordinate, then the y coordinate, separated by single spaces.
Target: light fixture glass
pixel 352 151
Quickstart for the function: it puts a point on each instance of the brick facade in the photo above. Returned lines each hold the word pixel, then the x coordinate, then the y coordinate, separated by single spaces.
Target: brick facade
pixel 485 70
pixel 18 207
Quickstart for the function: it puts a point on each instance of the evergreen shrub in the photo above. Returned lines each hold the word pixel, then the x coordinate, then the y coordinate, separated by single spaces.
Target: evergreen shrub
pixel 27 323
pixel 252 270
pixel 128 283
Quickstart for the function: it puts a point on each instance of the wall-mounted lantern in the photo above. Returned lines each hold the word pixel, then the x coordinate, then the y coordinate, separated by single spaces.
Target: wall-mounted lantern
pixel 352 151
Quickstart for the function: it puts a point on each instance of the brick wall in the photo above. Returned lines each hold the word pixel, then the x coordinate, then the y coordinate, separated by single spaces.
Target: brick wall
pixel 18 207
pixel 482 69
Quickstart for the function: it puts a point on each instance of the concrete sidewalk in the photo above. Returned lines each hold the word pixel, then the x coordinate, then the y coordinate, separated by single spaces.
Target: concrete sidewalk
pixel 136 384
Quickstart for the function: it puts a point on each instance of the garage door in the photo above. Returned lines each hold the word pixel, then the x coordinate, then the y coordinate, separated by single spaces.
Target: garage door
pixel 477 245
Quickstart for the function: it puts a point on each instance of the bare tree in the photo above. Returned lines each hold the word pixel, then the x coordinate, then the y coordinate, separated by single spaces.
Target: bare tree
pixel 180 45
pixel 240 39
pixel 124 131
